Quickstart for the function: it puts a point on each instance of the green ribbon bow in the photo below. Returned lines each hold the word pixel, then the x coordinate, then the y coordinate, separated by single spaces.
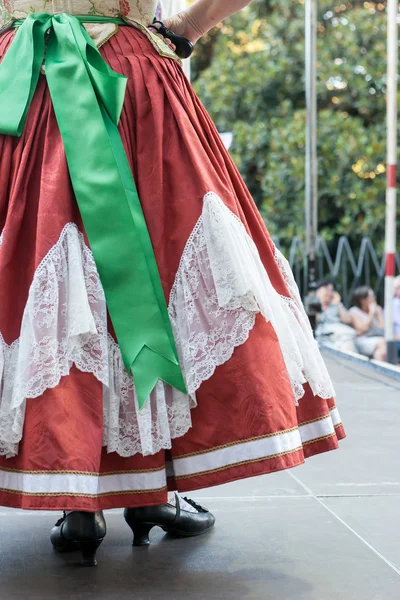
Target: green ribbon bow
pixel 88 98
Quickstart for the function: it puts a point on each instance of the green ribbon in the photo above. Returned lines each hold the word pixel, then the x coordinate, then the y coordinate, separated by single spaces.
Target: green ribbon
pixel 88 98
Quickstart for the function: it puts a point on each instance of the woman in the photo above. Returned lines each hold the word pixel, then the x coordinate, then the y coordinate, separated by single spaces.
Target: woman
pixel 334 322
pixel 369 324
pixel 97 411
pixel 396 308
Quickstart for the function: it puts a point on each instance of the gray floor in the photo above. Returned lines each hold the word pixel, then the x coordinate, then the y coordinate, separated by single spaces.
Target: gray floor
pixel 329 530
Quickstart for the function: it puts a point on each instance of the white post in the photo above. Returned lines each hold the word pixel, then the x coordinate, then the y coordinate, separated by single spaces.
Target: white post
pixel 311 175
pixel 311 171
pixel 391 122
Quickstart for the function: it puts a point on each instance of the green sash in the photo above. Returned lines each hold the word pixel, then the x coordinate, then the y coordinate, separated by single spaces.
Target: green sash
pixel 88 98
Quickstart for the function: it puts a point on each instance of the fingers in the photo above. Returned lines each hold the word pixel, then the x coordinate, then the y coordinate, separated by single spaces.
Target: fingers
pixel 155 27
pixel 170 44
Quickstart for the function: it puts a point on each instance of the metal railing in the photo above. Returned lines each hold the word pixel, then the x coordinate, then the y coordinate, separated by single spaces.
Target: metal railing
pixel 345 267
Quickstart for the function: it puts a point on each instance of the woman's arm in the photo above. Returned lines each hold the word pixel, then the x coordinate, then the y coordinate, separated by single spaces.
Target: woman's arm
pixel 345 316
pixel 362 325
pixel 202 16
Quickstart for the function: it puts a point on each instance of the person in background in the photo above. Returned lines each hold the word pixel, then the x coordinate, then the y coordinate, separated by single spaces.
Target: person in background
pixel 334 326
pixel 369 324
pixel 396 312
pixel 396 308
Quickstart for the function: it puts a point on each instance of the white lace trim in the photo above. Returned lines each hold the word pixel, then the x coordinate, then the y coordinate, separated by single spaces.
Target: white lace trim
pixel 128 429
pixel 220 286
pixel 312 365
pixel 206 314
pixel 65 323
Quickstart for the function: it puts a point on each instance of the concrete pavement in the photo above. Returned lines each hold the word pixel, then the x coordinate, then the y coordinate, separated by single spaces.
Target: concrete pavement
pixel 328 530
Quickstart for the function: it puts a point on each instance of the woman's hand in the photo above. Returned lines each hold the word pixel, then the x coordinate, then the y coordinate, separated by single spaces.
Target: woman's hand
pixel 372 308
pixel 154 27
pixel 178 43
pixel 180 25
pixel 380 317
pixel 336 298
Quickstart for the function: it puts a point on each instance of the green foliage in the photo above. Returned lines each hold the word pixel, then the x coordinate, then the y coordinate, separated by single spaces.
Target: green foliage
pixel 249 72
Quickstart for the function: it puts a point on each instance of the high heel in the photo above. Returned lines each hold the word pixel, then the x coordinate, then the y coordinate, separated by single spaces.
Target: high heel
pixel 88 551
pixel 174 520
pixel 82 531
pixel 141 533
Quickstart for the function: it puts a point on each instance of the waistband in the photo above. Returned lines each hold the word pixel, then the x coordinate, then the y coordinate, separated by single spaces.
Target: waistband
pixel 158 43
pixel 83 19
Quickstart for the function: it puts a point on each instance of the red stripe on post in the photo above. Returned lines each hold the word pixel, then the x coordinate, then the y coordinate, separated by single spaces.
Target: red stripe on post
pixel 391 176
pixel 390 265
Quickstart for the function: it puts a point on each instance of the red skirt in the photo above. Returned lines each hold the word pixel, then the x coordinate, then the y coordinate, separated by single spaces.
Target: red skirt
pixel 259 397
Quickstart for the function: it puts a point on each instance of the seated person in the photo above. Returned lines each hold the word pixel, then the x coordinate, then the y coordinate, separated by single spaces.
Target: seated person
pixel 396 308
pixel 369 324
pixel 396 312
pixel 334 322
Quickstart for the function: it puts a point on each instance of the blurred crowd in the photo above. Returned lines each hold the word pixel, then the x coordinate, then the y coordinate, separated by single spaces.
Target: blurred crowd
pixel 358 329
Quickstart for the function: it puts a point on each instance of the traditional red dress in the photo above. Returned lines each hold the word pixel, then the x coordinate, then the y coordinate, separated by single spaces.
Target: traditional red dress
pixel 259 398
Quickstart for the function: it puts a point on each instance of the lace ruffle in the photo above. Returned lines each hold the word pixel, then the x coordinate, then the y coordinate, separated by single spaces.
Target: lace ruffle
pixel 206 313
pixel 65 323
pixel 220 286
pixel 128 429
pixel 313 366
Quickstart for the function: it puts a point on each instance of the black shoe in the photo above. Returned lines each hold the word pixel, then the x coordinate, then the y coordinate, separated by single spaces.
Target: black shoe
pixel 82 531
pixel 172 519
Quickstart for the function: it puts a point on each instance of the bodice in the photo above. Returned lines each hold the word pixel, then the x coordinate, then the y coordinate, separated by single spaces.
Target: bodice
pixel 140 11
